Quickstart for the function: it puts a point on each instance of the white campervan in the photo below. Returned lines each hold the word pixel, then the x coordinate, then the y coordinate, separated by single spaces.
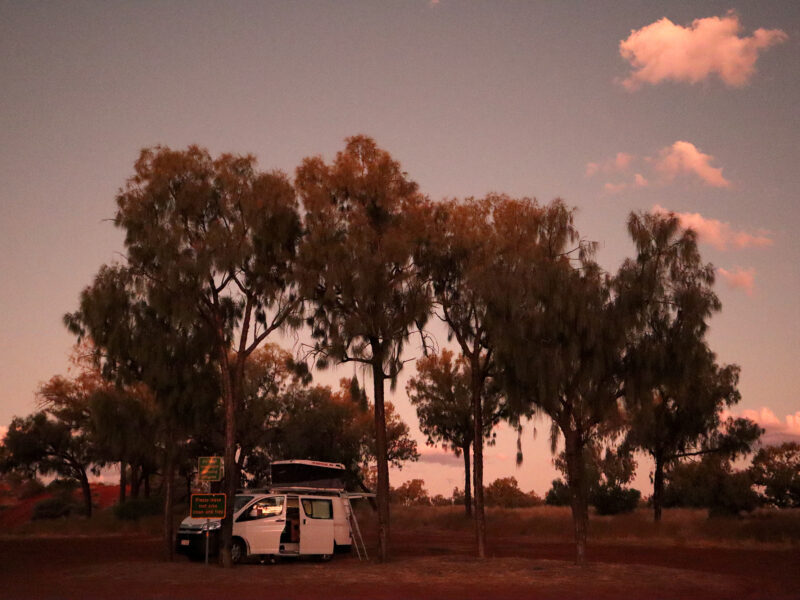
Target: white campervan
pixel 305 512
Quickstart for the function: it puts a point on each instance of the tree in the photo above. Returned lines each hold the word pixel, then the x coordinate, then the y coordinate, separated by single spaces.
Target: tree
pixel 124 426
pixel 215 240
pixel 710 482
pixel 559 336
pixel 777 470
pixel 442 395
pixel 362 223
pixel 320 424
pixel 505 492
pixel 675 390
pixel 606 473
pixel 140 347
pixel 459 258
pixel 411 493
pixel 51 442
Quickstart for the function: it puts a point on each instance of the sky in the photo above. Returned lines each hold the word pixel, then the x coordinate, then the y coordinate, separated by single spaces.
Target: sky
pixel 614 107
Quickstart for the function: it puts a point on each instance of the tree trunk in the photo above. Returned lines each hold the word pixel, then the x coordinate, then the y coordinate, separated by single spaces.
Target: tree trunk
pixel 381 458
pixel 122 480
pixel 87 492
pixel 231 474
pixel 169 476
pixel 467 480
pixel 135 480
pixel 658 486
pixel 146 481
pixel 477 415
pixel 577 491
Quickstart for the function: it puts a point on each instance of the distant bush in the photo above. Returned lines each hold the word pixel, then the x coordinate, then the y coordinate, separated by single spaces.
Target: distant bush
pixel 505 492
pixel 439 500
pixel 614 499
pixel 56 508
pixel 136 508
pixel 558 495
pixel 710 483
pixel 30 488
pixel 62 486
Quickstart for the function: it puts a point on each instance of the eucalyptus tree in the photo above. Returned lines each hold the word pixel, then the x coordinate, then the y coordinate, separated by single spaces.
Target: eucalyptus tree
pixel 441 392
pixel 215 240
pixel 362 221
pixel 458 257
pixel 151 352
pixel 675 389
pixel 559 335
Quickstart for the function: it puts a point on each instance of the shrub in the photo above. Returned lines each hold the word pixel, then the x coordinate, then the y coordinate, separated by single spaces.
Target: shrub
pixel 558 495
pixel 30 488
pixel 614 499
pixel 136 508
pixel 55 508
pixel 505 492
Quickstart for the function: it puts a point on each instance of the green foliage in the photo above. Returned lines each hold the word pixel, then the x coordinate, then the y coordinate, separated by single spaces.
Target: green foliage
pixel 777 470
pixel 614 499
pixel 319 424
pixel 674 388
pixel 411 493
pixel 558 494
pixel 56 507
pixel 710 483
pixel 134 509
pixel 504 492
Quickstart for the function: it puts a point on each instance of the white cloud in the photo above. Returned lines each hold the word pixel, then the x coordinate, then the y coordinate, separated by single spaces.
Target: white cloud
pixel 679 159
pixel 684 158
pixel 664 51
pixel 776 429
pixel 742 279
pixel 718 233
pixel 620 163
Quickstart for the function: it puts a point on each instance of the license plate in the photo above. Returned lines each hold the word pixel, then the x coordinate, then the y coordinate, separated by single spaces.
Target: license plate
pixel 184 542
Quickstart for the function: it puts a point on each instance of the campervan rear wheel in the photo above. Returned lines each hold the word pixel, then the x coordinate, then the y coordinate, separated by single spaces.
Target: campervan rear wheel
pixel 238 551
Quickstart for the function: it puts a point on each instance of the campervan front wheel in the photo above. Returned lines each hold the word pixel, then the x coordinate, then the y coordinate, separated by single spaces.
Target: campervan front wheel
pixel 325 557
pixel 238 551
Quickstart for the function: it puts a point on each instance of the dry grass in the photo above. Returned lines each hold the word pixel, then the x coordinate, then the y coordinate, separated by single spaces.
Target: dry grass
pixel 679 526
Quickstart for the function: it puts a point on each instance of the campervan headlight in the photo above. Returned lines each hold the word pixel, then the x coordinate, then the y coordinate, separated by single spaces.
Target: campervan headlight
pixel 214 525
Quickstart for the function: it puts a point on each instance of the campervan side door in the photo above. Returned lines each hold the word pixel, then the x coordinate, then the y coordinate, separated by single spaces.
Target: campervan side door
pixel 261 525
pixel 316 525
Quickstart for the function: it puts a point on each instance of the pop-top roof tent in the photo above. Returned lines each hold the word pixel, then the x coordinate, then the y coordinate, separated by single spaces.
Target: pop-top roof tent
pixel 308 474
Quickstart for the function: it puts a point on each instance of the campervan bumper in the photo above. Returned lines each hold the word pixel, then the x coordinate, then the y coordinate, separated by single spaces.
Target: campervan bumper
pixel 193 542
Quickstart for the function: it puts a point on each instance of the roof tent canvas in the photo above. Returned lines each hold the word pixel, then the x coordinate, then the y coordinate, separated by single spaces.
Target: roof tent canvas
pixel 308 474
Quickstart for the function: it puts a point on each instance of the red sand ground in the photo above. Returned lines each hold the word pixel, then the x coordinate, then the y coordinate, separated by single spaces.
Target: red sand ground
pixel 21 511
pixel 424 566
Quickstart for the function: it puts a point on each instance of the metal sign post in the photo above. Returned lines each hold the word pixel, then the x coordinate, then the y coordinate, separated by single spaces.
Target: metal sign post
pixel 207 506
pixel 207 522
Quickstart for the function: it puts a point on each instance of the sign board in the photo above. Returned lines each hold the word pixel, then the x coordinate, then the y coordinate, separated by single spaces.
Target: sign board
pixel 207 506
pixel 209 468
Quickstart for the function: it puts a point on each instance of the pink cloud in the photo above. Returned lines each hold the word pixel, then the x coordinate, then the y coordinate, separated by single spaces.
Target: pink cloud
pixel 613 188
pixel 439 456
pixel 743 279
pixel 776 430
pixel 718 233
pixel 681 158
pixel 620 162
pixel 684 158
pixel 664 51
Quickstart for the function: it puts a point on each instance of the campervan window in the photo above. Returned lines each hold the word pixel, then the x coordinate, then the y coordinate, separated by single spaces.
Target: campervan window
pixel 268 507
pixel 317 509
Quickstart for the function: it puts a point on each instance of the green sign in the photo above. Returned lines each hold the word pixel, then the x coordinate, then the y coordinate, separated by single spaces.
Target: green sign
pixel 207 506
pixel 209 468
